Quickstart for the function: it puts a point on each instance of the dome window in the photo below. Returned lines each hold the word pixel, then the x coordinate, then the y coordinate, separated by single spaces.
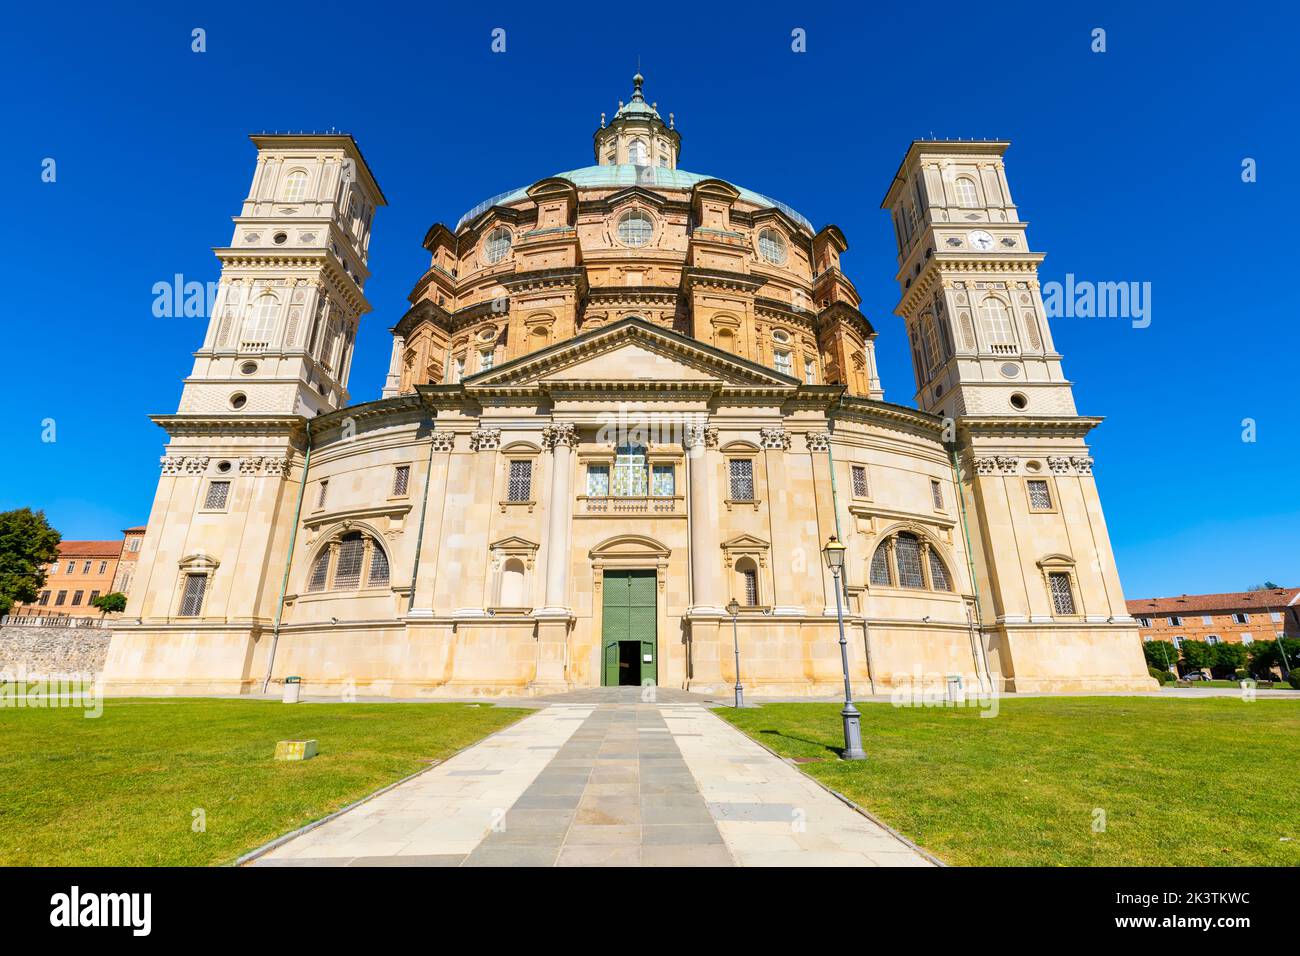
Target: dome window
pixel 496 245
pixel 637 154
pixel 636 228
pixel 771 246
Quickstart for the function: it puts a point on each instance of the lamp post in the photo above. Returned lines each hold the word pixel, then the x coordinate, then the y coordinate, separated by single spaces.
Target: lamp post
pixel 834 555
pixel 733 608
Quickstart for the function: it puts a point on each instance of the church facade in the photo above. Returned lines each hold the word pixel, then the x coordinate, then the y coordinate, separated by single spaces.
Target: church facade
pixel 623 398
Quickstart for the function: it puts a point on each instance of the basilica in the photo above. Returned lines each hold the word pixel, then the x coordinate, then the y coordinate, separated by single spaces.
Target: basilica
pixel 627 411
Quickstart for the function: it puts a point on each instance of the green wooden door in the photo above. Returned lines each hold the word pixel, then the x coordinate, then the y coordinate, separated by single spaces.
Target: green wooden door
pixel 629 616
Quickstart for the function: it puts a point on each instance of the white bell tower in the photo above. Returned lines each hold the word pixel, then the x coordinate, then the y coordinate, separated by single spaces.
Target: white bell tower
pixel 284 322
pixel 981 344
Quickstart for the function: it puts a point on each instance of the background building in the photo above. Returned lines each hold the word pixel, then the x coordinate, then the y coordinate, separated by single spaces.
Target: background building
pixel 1239 617
pixel 622 396
pixel 85 570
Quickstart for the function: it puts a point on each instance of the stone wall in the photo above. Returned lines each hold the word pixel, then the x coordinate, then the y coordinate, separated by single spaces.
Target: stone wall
pixel 53 650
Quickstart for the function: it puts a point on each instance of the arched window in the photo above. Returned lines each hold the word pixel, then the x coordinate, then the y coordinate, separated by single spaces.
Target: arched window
pixel 637 154
pixel 295 186
pixel 348 560
pixel 906 560
pixel 747 582
pixel 966 196
pixel 996 321
pixel 636 228
pixel 496 245
pixel 771 246
pixel 259 326
pixel 512 583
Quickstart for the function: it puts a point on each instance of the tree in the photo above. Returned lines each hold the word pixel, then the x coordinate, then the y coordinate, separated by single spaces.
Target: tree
pixel 1266 586
pixel 112 603
pixel 1161 654
pixel 1265 656
pixel 1198 655
pixel 28 545
pixel 1225 658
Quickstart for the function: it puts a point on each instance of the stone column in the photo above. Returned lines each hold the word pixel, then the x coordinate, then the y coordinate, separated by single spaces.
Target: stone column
pixel 703 558
pixel 560 439
pixel 553 620
pixel 818 446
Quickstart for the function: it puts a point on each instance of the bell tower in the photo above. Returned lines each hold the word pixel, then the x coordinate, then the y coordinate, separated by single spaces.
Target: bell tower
pixel 978 330
pixel 284 321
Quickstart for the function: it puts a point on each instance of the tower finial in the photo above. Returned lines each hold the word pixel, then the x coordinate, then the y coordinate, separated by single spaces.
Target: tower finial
pixel 636 85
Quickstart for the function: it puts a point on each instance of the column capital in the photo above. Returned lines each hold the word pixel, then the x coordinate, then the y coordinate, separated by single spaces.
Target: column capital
pixel 560 434
pixel 699 436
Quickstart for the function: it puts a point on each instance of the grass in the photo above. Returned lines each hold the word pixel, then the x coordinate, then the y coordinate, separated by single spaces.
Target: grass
pixel 1188 782
pixel 123 789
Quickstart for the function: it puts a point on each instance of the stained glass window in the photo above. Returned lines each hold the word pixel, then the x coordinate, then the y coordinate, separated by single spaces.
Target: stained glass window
pixel 662 484
pixel 880 565
pixel 319 572
pixel 630 476
pixel 907 552
pixel 938 573
pixel 598 481
pixel 378 576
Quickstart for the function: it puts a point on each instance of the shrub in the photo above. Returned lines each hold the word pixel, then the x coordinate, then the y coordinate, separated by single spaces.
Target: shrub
pixel 1294 679
pixel 1162 675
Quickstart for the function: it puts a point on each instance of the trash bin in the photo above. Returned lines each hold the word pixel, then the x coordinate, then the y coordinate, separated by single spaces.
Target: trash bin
pixel 292 689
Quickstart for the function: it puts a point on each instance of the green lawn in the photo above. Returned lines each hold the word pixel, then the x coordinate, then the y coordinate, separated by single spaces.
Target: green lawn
pixel 1182 782
pixel 123 788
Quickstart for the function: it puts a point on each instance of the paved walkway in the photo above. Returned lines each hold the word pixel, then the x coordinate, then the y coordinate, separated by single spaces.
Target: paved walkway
pixel 601 778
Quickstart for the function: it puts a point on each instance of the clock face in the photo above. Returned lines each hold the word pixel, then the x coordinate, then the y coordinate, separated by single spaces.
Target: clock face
pixel 980 240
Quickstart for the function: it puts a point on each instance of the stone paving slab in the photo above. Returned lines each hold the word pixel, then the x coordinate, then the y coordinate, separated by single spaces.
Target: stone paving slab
pixel 610 780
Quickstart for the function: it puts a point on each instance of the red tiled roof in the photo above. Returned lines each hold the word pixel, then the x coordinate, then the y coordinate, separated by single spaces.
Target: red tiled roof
pixel 138 529
pixel 1272 599
pixel 90 549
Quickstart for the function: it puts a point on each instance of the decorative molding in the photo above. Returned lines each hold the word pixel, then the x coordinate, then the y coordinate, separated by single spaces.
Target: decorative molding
pixel 484 439
pixel 1010 465
pixel 699 436
pixel 775 438
pixel 1082 464
pixel 184 464
pixel 560 434
pixel 818 441
pixel 443 441
pixel 1058 465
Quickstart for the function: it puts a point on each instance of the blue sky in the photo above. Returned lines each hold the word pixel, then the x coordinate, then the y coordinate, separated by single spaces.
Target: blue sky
pixel 1127 165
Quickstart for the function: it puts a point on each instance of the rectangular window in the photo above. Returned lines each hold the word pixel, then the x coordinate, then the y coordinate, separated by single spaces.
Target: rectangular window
pixel 218 492
pixel 1211 638
pixel 1206 619
pixel 859 473
pixel 45 598
pixel 598 481
pixel 135 545
pixel 1178 642
pixel 1276 616
pixel 936 493
pixel 809 372
pixel 907 553
pixel 1144 622
pixel 192 595
pixel 323 493
pixel 662 482
pixel 1040 495
pixel 1062 597
pixel 103 567
pixel 520 484
pixel 93 596
pixel 457 368
pixel 784 363
pixel 741 471
pixel 1241 618
pixel 352 553
pixel 485 359
pixel 72 567
pixel 60 599
pixel 85 568
pixel 1247 639
pixel 751 587
pixel 401 479
pixel 76 598
pixel 1175 620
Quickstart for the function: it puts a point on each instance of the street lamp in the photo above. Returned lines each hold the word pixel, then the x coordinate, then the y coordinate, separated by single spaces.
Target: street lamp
pixel 733 608
pixel 834 555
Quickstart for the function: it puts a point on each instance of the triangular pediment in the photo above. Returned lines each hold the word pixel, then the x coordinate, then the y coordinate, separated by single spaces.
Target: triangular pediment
pixel 745 542
pixel 632 351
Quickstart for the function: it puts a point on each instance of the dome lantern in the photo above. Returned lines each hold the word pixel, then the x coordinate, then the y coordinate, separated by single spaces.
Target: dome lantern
pixel 637 135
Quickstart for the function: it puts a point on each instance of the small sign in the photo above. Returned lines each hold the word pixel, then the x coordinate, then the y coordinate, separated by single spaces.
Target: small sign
pixel 647 658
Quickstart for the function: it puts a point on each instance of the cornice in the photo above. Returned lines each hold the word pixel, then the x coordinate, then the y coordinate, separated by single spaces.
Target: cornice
pixel 1026 425
pixel 693 276
pixel 234 424
pixel 873 411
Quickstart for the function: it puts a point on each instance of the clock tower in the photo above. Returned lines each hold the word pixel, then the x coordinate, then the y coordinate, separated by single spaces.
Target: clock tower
pixel 978 330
